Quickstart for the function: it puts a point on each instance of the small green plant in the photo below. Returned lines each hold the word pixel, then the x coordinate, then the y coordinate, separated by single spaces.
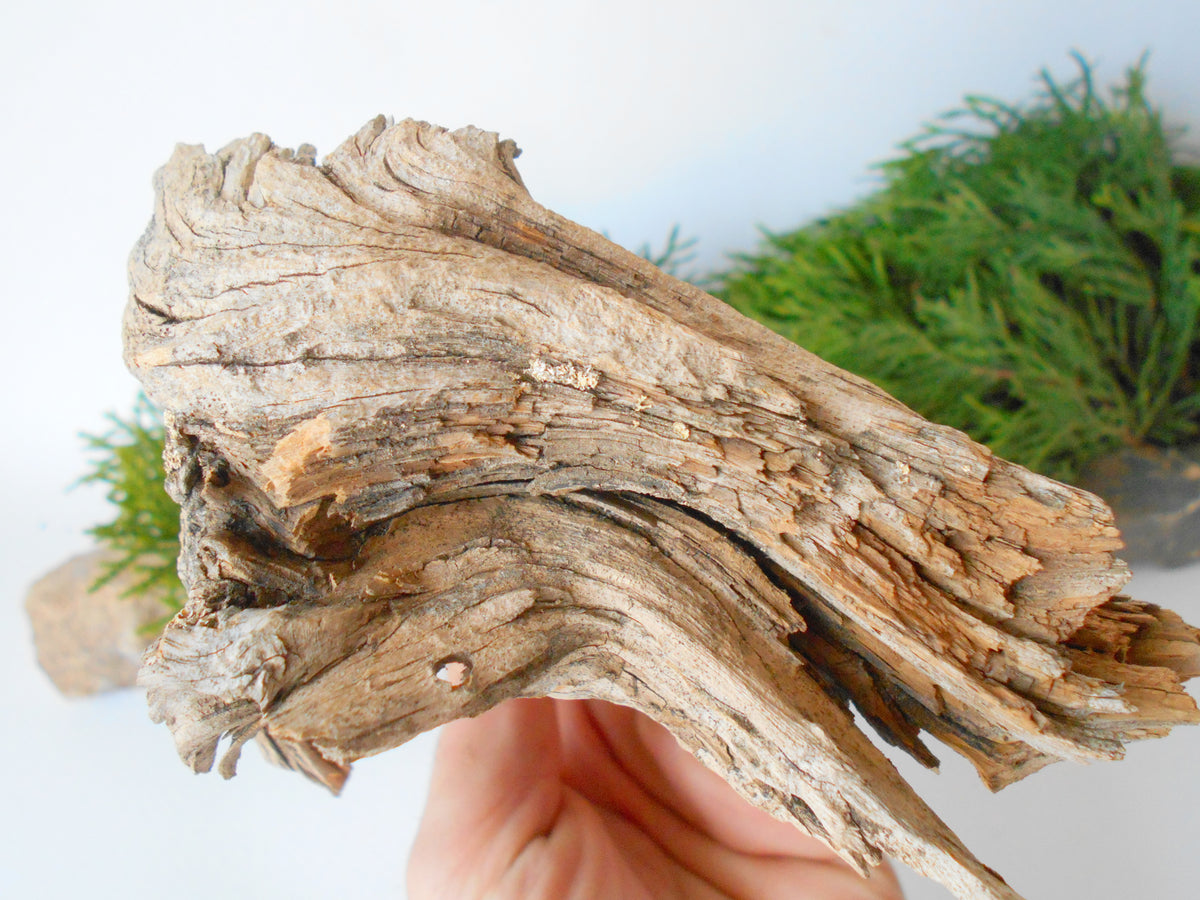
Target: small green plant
pixel 144 533
pixel 1028 275
pixel 675 254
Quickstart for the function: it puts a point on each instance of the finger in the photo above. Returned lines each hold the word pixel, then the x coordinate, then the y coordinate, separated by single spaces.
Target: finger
pixel 713 807
pixel 677 780
pixel 802 868
pixel 494 788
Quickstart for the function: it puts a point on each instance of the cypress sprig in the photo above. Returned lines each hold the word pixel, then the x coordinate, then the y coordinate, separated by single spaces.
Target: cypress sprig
pixel 1030 275
pixel 676 253
pixel 144 533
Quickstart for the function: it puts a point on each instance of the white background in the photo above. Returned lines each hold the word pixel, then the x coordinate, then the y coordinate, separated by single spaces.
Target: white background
pixel 633 116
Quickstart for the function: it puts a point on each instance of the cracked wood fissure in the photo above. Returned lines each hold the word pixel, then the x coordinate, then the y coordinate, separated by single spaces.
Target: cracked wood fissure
pixel 437 446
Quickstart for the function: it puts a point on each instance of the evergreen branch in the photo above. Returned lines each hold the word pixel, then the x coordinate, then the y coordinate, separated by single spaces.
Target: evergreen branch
pixel 144 533
pixel 675 254
pixel 1028 273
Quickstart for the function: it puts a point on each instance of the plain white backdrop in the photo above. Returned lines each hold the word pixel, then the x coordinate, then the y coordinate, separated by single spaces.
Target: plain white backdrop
pixel 722 117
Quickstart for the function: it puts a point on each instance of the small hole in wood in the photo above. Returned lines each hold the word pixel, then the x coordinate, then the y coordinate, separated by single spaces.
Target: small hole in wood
pixel 454 671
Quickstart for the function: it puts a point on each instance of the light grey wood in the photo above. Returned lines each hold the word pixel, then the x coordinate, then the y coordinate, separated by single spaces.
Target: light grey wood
pixel 437 446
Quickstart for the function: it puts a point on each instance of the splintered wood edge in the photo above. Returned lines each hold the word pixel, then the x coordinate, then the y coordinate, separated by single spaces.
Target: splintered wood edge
pixel 345 350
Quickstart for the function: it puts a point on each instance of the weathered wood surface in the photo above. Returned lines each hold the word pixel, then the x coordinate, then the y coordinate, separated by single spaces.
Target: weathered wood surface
pixel 437 446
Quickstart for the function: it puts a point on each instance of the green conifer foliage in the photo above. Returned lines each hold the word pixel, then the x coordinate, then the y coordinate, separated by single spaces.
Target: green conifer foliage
pixel 1028 275
pixel 144 531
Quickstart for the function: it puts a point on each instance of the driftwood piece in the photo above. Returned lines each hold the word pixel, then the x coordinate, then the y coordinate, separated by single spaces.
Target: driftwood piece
pixel 437 446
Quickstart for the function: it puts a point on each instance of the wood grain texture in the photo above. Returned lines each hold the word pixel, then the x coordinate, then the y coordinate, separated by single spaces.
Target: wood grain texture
pixel 437 446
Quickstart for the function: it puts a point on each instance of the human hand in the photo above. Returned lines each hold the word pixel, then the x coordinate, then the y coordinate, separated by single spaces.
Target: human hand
pixel 583 800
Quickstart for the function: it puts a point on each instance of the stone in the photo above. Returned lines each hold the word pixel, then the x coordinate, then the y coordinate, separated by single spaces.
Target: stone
pixel 90 641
